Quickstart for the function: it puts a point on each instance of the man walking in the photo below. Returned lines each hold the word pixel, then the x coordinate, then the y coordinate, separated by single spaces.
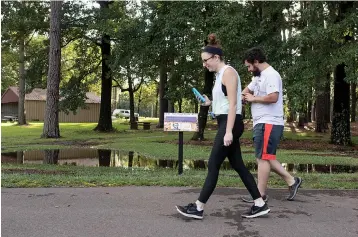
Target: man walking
pixel 265 95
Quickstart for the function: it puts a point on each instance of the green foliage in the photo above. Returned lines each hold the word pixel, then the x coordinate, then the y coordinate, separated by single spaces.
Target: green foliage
pixel 9 69
pixel 24 21
pixel 304 41
pixel 20 19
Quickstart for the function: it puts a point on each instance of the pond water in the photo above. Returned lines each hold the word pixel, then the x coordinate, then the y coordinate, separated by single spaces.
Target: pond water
pixel 116 158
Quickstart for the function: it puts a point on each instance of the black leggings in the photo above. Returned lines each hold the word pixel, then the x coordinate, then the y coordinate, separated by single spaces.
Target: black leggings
pixel 218 154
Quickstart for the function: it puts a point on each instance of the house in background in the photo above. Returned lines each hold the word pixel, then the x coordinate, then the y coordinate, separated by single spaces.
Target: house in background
pixel 35 104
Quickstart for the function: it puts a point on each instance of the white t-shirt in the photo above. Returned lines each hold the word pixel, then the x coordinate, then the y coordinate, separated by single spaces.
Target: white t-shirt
pixel 268 82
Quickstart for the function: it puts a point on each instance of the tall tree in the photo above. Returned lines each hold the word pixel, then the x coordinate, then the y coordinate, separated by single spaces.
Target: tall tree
pixel 91 29
pixel 131 68
pixel 203 113
pixel 51 123
pixel 158 39
pixel 20 21
pixel 81 59
pixel 105 119
pixel 340 133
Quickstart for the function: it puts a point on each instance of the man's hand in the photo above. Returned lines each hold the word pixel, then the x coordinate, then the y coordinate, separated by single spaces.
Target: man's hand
pixel 249 97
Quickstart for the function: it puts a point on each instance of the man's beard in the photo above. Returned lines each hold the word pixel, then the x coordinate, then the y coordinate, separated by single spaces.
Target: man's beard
pixel 256 73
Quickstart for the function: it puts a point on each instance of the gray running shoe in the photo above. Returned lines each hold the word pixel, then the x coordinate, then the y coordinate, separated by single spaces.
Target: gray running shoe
pixel 293 189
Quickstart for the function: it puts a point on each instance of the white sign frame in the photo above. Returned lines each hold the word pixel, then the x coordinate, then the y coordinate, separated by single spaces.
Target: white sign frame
pixel 181 122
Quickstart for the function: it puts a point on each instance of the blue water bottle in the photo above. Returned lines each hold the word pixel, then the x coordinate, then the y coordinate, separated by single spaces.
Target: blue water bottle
pixel 198 95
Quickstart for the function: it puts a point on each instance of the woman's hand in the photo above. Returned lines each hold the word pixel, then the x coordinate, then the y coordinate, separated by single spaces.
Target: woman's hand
pixel 228 139
pixel 207 101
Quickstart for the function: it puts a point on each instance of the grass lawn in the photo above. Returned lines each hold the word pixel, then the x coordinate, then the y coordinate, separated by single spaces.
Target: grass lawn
pixel 156 144
pixel 72 176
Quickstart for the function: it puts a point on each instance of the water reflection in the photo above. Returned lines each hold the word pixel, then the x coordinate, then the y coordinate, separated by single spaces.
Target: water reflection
pixel 104 157
pixel 51 156
pixel 115 158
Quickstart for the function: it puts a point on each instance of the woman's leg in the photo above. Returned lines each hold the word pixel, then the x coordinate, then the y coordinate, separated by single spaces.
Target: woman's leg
pixel 218 154
pixel 238 165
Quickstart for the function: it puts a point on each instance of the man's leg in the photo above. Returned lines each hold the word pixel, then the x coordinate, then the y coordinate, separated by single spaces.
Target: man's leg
pixel 263 174
pixel 260 207
pixel 272 138
pixel 261 135
pixel 278 169
pixel 260 143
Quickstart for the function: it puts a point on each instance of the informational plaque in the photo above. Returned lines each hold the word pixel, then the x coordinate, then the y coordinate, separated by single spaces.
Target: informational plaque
pixel 181 122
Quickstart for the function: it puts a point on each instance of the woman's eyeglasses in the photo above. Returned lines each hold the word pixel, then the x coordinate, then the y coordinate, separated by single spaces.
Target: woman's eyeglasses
pixel 205 60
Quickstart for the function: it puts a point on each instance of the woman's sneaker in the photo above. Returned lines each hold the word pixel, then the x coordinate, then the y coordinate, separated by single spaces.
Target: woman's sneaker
pixel 190 211
pixel 256 211
pixel 251 200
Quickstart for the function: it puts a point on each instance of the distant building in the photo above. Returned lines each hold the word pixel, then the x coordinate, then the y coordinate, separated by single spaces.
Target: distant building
pixel 35 103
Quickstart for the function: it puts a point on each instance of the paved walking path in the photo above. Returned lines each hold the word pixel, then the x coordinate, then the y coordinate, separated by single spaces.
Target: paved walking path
pixel 150 211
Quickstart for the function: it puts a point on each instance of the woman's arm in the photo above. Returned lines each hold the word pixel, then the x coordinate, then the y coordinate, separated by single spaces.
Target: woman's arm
pixel 230 81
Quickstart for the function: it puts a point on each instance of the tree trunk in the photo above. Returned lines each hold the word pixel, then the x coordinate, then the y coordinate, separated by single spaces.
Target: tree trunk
pixel 196 108
pixel 327 101
pixel 313 112
pixel 203 113
pixel 320 123
pixel 21 103
pixel 309 107
pixel 304 112
pixel 156 102
pixel 180 104
pixel 51 124
pixel 139 99
pixel 301 120
pixel 354 101
pixel 291 116
pixel 105 116
pixel 132 119
pixel 321 107
pixel 341 134
pixel 163 102
pixel 171 106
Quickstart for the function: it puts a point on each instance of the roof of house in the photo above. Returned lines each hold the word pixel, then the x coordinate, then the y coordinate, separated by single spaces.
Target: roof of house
pixel 11 95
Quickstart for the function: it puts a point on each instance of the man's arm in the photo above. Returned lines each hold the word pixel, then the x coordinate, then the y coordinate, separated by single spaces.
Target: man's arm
pixel 246 90
pixel 267 99
pixel 272 89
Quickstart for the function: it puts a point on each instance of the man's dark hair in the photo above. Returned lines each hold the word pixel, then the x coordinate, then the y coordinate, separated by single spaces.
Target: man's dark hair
pixel 255 54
